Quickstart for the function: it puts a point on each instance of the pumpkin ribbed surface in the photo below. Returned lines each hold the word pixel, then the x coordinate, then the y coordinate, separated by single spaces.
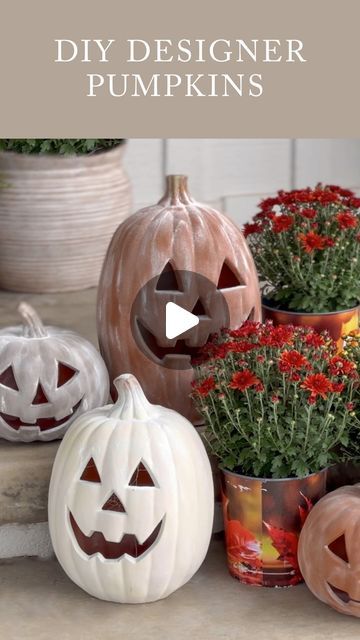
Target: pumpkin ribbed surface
pixel 57 216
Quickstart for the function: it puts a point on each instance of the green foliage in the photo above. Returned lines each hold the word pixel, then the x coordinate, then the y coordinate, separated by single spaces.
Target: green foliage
pixel 66 146
pixel 277 401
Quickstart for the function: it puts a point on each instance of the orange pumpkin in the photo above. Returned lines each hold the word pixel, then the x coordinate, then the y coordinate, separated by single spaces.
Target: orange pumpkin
pixel 329 550
pixel 147 265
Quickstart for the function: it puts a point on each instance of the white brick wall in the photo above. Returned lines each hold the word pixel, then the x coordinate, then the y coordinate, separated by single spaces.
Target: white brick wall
pixel 234 174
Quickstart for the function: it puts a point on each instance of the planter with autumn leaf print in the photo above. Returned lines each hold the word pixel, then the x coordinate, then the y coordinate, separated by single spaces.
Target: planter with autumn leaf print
pixel 278 403
pixel 306 245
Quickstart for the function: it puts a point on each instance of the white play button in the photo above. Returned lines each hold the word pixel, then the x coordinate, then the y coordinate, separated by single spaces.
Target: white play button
pixel 178 320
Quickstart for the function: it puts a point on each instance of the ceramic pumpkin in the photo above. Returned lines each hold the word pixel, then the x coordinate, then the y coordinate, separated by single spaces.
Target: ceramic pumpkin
pixel 131 499
pixel 329 550
pixel 48 376
pixel 145 266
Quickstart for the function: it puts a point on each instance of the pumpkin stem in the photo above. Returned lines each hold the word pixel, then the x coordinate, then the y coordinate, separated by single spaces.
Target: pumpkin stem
pixel 131 403
pixel 176 191
pixel 33 327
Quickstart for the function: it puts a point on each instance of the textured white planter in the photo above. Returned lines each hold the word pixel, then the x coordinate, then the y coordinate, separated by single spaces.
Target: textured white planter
pixel 57 217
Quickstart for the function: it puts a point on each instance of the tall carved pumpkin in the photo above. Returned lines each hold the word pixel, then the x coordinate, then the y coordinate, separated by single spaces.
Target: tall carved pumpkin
pixel 131 499
pixel 149 263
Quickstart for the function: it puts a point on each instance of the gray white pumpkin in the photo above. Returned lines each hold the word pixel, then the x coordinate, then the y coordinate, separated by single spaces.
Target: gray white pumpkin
pixel 131 499
pixel 48 377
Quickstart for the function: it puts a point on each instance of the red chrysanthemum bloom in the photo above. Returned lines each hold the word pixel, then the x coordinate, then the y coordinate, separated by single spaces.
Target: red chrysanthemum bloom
pixel 311 241
pixel 339 366
pixel 318 385
pixel 204 388
pixel 282 223
pixel 350 406
pixel 346 220
pixel 243 380
pixel 329 242
pixel 314 339
pixel 291 361
pixel 247 329
pixel 308 213
pixel 338 387
pixel 252 227
pixel 354 202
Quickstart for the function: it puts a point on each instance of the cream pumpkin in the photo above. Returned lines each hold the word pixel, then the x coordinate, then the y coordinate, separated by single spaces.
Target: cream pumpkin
pixel 48 376
pixel 131 499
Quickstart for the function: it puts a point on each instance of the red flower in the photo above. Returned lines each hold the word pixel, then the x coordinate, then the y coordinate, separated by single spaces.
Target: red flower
pixel 340 366
pixel 204 388
pixel 277 336
pixel 248 328
pixel 338 387
pixel 329 242
pixel 242 380
pixel 309 213
pixel 292 360
pixel 282 223
pixel 252 227
pixel 269 203
pixel 350 406
pixel 346 220
pixel 311 241
pixel 354 202
pixel 318 385
pixel 314 339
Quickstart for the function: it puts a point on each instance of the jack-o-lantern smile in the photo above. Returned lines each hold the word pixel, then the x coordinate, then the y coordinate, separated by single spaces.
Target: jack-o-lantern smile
pixel 128 545
pixel 342 595
pixel 96 542
pixel 43 423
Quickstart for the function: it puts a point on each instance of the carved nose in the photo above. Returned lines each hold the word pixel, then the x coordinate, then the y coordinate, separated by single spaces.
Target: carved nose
pixel 114 504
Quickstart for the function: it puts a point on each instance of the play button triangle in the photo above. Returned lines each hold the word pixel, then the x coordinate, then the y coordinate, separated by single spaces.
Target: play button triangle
pixel 178 320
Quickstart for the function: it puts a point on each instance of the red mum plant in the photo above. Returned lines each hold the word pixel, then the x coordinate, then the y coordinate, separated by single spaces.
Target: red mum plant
pixel 278 401
pixel 306 245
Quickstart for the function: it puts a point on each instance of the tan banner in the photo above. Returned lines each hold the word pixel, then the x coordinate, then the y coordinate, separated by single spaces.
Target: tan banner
pixel 195 68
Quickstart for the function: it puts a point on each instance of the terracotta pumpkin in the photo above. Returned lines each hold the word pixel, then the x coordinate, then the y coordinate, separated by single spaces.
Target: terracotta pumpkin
pixel 329 550
pixel 131 499
pixel 48 376
pixel 147 265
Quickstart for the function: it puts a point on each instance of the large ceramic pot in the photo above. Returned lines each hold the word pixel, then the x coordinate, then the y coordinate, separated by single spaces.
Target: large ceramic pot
pixel 337 323
pixel 263 519
pixel 57 216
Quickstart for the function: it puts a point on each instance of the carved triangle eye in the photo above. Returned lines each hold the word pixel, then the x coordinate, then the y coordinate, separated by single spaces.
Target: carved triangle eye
pixel 141 477
pixel 40 396
pixel 338 548
pixel 7 379
pixel 167 280
pixel 65 373
pixel 90 473
pixel 199 310
pixel 228 278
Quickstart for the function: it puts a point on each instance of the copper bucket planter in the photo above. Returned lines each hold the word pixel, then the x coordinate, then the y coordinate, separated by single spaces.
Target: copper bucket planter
pixel 263 519
pixel 337 323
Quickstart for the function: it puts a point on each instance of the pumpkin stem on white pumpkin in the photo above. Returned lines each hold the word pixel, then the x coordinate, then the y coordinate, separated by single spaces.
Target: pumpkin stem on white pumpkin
pixel 176 191
pixel 131 403
pixel 33 327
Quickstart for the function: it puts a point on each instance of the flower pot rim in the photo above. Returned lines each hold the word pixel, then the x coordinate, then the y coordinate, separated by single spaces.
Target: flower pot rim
pixel 266 305
pixel 225 471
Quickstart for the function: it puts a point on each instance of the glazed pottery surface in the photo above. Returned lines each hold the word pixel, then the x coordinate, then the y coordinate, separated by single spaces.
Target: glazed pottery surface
pixel 263 519
pixel 337 323
pixel 171 241
pixel 329 550
pixel 57 216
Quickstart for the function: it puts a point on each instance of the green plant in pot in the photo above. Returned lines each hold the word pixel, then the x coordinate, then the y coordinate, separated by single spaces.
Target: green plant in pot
pixel 306 245
pixel 278 405
pixel 63 202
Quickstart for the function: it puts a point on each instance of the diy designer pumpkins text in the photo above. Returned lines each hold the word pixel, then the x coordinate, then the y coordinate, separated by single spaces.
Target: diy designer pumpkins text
pixel 165 51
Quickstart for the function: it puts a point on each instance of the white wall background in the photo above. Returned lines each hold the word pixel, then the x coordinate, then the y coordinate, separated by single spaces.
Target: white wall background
pixel 234 175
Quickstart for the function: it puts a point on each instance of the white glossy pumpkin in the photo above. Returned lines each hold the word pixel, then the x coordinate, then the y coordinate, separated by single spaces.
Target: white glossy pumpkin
pixel 48 376
pixel 131 499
